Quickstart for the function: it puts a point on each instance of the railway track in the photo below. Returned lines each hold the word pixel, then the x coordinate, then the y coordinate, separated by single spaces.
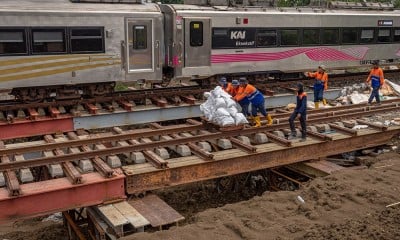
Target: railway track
pixel 116 147
pixel 158 96
pixel 78 169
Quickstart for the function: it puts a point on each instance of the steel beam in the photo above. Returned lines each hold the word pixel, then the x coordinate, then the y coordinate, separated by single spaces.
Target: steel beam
pixel 24 128
pixel 56 195
pixel 202 170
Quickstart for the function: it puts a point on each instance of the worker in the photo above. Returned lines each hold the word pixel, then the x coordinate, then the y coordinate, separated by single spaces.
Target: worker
pixel 376 79
pixel 320 85
pixel 244 102
pixel 225 85
pixel 235 87
pixel 256 99
pixel 301 112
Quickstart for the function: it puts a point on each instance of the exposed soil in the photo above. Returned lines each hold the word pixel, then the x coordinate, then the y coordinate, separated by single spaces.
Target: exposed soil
pixel 346 205
pixel 350 204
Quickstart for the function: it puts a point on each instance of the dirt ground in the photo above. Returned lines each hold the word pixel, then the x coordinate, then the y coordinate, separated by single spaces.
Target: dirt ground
pixel 350 204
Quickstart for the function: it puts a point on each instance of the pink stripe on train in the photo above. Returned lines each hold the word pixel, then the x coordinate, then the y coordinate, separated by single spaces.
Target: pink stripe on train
pixel 315 54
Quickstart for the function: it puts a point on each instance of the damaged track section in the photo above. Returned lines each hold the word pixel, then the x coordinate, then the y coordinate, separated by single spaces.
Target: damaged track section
pixel 162 156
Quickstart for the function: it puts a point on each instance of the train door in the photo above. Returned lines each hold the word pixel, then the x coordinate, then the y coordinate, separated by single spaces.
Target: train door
pixel 197 42
pixel 143 49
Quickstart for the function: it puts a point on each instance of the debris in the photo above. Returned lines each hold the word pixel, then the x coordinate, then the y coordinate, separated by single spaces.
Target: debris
pixel 393 204
pixel 357 127
pixel 301 200
pixel 56 217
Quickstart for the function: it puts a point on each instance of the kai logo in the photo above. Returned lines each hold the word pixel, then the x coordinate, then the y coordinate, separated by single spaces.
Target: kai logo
pixel 238 35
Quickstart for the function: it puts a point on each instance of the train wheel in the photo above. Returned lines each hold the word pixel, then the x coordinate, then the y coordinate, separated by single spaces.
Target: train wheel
pixel 30 95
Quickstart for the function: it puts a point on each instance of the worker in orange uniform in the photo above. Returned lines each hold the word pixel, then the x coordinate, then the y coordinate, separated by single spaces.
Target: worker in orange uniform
pixel 376 78
pixel 256 98
pixel 301 112
pixel 320 85
pixel 225 85
pixel 244 102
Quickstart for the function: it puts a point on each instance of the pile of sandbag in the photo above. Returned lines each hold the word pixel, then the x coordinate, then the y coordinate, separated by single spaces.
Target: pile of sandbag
pixel 359 93
pixel 221 109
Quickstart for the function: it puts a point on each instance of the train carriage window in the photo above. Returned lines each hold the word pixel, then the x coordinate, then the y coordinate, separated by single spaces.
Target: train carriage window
pixel 311 37
pixel 48 41
pixel 330 36
pixel 266 38
pixel 196 34
pixel 396 37
pixel 84 40
pixel 349 35
pixel 12 41
pixel 367 36
pixel 289 37
pixel 384 35
pixel 139 37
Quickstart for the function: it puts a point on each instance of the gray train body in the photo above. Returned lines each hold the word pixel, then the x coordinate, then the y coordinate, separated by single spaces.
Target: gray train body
pixel 236 39
pixel 60 43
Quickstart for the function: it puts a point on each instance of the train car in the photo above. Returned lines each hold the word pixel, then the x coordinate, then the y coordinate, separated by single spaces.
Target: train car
pixel 70 48
pixel 204 41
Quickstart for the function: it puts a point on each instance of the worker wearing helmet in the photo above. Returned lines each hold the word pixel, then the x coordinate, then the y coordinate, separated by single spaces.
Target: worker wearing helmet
pixel 243 102
pixel 223 83
pixel 235 87
pixel 256 98
pixel 376 79
pixel 320 85
pixel 301 112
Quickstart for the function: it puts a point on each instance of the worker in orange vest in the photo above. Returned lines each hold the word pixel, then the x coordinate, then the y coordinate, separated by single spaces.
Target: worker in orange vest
pixel 243 102
pixel 301 112
pixel 225 85
pixel 257 101
pixel 320 85
pixel 376 79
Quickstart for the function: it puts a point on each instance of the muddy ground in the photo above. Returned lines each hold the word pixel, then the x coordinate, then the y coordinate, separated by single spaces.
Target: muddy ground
pixel 350 204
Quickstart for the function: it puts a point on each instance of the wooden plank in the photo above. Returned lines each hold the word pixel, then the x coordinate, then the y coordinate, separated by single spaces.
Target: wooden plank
pixel 324 166
pixel 130 213
pixel 156 210
pixel 100 223
pixel 113 216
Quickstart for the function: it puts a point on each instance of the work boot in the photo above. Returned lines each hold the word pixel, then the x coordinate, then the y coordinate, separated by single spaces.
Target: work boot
pixel 269 120
pixel 316 104
pixel 257 121
pixel 324 102
pixel 303 139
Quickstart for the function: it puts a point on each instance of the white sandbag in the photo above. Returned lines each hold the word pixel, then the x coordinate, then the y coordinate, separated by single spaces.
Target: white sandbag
pixel 225 121
pixel 219 103
pixel 217 91
pixel 225 95
pixel 232 111
pixel 240 119
pixel 222 112
pixel 206 94
pixel 230 102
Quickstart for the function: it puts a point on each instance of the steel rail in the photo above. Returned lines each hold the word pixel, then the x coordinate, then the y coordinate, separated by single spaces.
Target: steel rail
pixel 151 145
pixel 123 95
pixel 142 181
pixel 167 131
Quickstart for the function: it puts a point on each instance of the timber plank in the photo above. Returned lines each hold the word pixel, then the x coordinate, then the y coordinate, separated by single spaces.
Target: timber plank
pixel 131 214
pixel 156 210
